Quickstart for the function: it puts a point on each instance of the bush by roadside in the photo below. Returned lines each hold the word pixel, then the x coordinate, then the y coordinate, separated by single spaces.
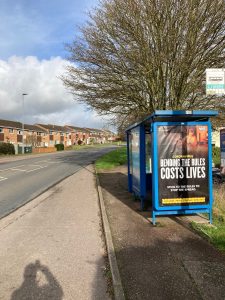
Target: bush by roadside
pixel 7 148
pixel 216 156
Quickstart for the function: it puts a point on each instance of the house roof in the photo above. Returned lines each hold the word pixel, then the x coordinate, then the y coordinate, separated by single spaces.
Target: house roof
pixel 75 128
pixel 10 124
pixel 94 130
pixel 52 127
pixel 33 128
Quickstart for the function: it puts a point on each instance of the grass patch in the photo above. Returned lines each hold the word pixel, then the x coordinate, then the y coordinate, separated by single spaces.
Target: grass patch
pixel 215 234
pixel 112 159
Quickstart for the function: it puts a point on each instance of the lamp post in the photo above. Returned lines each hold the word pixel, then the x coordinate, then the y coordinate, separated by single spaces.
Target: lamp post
pixel 23 124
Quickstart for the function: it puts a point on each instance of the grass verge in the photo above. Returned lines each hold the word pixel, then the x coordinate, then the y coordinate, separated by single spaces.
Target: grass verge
pixel 85 146
pixel 215 234
pixel 112 159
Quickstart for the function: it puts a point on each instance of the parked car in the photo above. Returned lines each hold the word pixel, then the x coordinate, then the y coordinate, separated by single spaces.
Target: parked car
pixel 218 177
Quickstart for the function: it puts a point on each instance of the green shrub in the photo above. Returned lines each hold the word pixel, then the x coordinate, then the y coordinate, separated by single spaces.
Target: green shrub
pixel 7 148
pixel 216 156
pixel 59 147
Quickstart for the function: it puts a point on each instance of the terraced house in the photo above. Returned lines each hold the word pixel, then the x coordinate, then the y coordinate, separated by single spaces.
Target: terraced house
pixel 34 136
pixel 48 135
pixel 78 134
pixel 11 132
pixel 55 134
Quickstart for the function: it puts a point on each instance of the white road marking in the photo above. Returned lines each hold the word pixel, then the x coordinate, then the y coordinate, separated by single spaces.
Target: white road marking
pixel 49 162
pixel 36 166
pixel 41 167
pixel 15 169
pixel 26 168
pixel 2 178
pixel 11 168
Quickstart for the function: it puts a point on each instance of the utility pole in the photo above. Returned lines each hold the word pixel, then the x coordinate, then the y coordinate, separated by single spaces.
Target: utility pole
pixel 23 124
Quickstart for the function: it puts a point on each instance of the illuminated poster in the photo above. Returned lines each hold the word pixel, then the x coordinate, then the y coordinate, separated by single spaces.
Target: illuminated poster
pixel 136 158
pixel 183 165
pixel 222 149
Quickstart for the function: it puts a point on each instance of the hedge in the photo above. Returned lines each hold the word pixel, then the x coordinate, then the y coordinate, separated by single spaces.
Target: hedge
pixel 7 148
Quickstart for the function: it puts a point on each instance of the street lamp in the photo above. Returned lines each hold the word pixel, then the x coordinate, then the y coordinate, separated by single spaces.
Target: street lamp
pixel 23 124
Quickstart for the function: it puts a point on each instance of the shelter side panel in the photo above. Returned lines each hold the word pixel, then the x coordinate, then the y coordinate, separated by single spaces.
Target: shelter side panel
pixel 222 149
pixel 135 157
pixel 183 165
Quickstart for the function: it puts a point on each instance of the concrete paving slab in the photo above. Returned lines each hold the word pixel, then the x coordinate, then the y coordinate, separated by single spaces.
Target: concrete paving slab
pixel 51 248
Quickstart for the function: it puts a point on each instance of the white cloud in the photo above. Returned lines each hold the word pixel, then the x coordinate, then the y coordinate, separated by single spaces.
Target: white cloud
pixel 47 101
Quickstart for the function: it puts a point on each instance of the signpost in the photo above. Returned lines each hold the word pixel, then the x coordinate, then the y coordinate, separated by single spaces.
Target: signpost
pixel 215 82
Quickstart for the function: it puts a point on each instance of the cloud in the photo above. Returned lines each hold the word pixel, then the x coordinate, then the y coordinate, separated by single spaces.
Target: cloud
pixel 47 101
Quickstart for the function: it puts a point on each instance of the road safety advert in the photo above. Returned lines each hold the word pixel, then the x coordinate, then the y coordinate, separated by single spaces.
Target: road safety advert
pixel 183 165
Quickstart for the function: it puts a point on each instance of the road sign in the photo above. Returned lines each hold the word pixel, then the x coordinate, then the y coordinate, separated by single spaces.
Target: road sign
pixel 215 82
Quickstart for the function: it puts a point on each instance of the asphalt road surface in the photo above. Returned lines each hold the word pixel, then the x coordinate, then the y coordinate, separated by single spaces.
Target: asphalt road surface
pixel 23 180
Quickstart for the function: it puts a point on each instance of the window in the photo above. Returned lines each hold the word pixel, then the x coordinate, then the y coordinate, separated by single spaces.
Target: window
pixel 1 129
pixel 10 130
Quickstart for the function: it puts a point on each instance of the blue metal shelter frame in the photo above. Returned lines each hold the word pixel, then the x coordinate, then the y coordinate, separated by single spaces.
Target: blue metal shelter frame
pixel 139 186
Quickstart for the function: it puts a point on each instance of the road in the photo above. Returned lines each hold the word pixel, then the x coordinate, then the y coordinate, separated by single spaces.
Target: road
pixel 23 180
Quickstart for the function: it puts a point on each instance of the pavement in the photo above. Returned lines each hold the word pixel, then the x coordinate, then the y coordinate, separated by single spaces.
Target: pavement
pixel 52 248
pixel 168 261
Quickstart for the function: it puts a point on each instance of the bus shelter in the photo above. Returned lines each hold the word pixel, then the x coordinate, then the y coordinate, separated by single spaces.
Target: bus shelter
pixel 170 162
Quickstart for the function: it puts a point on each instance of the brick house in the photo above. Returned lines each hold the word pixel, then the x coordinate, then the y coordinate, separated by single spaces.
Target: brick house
pixel 55 134
pixel 78 134
pixel 11 132
pixel 110 136
pixel 42 135
pixel 96 136
pixel 34 136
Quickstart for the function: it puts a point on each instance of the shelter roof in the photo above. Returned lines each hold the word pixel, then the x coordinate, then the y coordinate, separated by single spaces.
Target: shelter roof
pixel 176 116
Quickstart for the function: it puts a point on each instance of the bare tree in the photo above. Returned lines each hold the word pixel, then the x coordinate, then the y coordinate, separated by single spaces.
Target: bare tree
pixel 32 140
pixel 137 56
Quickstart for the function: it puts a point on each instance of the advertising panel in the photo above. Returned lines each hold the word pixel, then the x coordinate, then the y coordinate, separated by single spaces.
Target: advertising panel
pixel 183 165
pixel 135 135
pixel 222 149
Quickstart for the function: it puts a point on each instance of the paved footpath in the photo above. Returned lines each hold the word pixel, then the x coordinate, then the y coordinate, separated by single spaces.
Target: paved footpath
pixel 51 248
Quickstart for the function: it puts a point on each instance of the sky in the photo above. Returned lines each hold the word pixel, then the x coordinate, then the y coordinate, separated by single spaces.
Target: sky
pixel 33 34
